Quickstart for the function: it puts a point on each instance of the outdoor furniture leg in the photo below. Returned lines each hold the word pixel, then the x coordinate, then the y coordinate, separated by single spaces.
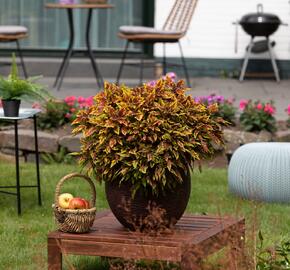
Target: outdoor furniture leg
pixel 37 159
pixel 274 64
pixel 54 256
pixel 17 168
pixel 122 62
pixel 237 245
pixel 184 65
pixel 21 59
pixel 164 65
pixel 141 69
pixel 98 75
pixel 245 64
pixel 69 51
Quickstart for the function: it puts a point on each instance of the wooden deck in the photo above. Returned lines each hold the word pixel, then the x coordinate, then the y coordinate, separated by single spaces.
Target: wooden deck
pixel 193 238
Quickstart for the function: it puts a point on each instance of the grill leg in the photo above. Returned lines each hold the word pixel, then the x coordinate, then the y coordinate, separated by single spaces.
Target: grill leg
pixel 273 61
pixel 122 62
pixel 246 60
pixel 184 65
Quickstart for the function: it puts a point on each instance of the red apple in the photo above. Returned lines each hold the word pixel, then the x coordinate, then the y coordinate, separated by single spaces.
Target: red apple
pixel 87 204
pixel 77 203
pixel 64 199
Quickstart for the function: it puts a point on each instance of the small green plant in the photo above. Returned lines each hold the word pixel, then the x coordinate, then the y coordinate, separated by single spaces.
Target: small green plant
pixel 13 87
pixel 275 257
pixel 62 156
pixel 53 115
pixel 257 116
pixel 143 134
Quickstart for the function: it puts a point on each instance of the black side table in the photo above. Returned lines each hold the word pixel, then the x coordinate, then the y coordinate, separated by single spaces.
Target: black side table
pixel 23 114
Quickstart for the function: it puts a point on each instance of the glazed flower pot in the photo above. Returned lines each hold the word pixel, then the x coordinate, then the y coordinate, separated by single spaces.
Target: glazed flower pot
pixel 11 107
pixel 136 213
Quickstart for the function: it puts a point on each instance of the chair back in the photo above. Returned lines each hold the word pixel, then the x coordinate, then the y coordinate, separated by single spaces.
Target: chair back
pixel 180 15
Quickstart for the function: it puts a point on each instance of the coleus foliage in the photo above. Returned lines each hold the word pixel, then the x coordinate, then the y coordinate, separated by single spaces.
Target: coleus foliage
pixel 143 134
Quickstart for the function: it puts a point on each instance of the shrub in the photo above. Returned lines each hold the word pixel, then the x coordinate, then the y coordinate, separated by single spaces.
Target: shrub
pixel 57 113
pixel 226 108
pixel 143 134
pixel 257 116
pixel 53 115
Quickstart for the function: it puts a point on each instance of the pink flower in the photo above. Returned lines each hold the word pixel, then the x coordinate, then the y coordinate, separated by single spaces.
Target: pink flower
pixel 72 110
pixel 243 104
pixel 230 100
pixel 70 100
pixel 90 101
pixel 67 115
pixel 81 100
pixel 151 83
pixel 288 109
pixel 36 105
pixel 259 106
pixel 269 109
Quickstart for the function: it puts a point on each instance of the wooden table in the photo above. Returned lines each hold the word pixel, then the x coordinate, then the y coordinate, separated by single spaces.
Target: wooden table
pixel 69 52
pixel 193 238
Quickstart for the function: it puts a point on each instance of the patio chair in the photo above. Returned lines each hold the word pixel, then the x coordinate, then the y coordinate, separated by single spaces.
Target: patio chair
pixel 175 27
pixel 13 33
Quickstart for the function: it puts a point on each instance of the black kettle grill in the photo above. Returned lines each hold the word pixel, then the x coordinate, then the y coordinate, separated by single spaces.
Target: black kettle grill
pixel 259 24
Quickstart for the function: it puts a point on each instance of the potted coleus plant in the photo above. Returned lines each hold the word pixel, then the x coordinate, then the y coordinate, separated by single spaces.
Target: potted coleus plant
pixel 14 89
pixel 142 142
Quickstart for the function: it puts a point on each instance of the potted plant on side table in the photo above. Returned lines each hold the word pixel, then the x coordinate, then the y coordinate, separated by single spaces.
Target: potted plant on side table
pixel 14 89
pixel 142 142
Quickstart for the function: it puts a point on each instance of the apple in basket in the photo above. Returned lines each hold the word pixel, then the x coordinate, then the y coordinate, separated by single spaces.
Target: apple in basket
pixel 78 203
pixel 64 199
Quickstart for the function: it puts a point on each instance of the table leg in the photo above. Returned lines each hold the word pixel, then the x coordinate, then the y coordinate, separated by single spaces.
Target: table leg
pixel 68 53
pixel 54 256
pixel 90 52
pixel 37 159
pixel 237 246
pixel 17 168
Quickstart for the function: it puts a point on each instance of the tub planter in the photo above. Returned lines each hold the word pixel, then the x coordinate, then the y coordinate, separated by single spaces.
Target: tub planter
pixel 134 213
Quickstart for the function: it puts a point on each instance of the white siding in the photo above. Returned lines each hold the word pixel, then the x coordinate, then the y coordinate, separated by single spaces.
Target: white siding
pixel 211 33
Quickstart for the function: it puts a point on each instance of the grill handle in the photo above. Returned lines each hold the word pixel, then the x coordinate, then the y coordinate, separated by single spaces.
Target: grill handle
pixel 260 8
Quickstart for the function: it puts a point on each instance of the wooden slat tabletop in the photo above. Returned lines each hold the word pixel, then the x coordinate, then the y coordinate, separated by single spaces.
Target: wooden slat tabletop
pixel 189 228
pixel 206 234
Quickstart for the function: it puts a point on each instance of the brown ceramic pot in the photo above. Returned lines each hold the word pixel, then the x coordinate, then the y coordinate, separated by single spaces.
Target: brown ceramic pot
pixel 131 213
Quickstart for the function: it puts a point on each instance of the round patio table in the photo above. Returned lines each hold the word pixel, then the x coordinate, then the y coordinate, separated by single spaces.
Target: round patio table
pixel 70 51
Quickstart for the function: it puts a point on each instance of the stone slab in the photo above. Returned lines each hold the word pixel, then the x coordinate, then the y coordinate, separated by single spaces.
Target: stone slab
pixel 71 143
pixel 47 143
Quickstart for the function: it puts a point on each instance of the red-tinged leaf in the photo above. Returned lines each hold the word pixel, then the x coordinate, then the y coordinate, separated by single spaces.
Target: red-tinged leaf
pixel 124 130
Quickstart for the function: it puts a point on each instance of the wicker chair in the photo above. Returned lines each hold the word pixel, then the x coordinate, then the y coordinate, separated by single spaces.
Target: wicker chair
pixel 13 33
pixel 175 27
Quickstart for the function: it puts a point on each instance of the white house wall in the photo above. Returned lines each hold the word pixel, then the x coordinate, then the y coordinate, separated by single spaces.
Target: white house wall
pixel 211 33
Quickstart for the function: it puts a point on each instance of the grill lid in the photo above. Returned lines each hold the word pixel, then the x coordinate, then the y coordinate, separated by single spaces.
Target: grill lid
pixel 260 17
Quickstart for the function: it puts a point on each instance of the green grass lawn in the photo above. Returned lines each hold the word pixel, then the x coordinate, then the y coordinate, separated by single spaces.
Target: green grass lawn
pixel 23 239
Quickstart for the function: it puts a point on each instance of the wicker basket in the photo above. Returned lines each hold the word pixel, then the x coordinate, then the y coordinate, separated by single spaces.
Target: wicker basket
pixel 74 221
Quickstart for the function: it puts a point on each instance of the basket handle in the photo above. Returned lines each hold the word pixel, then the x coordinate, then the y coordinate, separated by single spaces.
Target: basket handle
pixel 69 177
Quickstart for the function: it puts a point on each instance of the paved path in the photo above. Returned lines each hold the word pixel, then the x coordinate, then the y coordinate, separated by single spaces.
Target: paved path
pixel 250 89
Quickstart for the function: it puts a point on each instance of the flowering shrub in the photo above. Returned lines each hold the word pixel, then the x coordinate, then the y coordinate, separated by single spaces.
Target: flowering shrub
pixel 226 109
pixel 56 113
pixel 257 116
